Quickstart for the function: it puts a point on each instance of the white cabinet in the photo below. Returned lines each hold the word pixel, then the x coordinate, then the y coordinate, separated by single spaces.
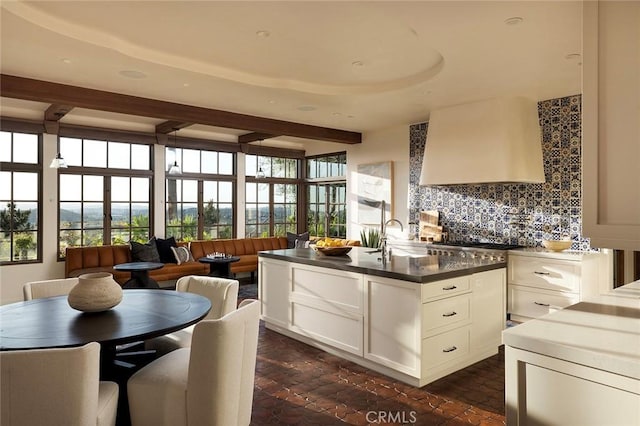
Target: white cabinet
pixel 413 332
pixel 433 329
pixel 610 124
pixel 274 299
pixel 392 324
pixel 543 390
pixel 327 305
pixel 541 282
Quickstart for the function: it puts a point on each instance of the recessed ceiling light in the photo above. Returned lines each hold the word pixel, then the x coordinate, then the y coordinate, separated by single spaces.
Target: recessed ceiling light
pixel 357 63
pixel 65 60
pixel 185 85
pixel 263 33
pixel 132 74
pixel 515 20
pixel 306 108
pixel 271 101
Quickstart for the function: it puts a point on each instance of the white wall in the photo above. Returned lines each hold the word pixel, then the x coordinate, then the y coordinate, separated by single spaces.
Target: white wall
pixel 391 144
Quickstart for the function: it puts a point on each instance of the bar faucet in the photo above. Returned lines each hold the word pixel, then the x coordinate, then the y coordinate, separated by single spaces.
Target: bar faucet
pixel 386 253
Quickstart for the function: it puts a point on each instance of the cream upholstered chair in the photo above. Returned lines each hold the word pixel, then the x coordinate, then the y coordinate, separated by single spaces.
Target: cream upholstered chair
pixel 48 288
pixel 55 387
pixel 221 292
pixel 209 384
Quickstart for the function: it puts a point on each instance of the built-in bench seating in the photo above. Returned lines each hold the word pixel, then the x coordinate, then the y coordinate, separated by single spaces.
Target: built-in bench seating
pixel 82 260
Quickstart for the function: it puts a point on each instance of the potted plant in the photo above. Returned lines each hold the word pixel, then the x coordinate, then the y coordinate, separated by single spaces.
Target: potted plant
pixel 370 237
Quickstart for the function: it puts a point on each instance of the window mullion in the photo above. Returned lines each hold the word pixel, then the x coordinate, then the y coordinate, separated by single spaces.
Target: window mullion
pixel 200 231
pixel 106 205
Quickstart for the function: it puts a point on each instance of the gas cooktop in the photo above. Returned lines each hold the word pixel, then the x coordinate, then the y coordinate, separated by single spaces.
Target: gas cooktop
pixel 474 244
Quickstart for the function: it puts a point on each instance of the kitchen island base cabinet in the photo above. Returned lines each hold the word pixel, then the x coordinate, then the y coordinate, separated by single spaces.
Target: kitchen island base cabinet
pixel 413 332
pixel 542 390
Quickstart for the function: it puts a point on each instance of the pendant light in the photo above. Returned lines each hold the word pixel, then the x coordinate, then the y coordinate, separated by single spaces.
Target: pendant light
pixel 260 174
pixel 175 168
pixel 58 162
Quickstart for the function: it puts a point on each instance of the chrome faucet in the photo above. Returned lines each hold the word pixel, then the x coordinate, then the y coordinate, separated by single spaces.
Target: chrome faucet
pixel 385 252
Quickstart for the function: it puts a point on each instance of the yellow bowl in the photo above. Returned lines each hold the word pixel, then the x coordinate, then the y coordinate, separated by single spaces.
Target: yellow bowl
pixel 557 245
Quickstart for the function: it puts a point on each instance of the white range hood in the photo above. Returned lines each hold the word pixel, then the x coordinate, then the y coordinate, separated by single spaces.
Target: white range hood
pixel 496 140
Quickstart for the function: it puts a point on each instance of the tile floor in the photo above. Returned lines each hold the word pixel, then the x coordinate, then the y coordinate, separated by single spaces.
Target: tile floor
pixel 300 385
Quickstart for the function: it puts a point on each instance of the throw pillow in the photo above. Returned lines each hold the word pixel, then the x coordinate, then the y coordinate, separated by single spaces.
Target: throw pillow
pixel 144 252
pixel 182 255
pixel 164 249
pixel 291 238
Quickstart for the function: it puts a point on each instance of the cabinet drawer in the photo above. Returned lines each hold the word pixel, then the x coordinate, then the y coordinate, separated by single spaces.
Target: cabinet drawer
pixel 545 273
pixel 445 312
pixel 445 347
pixel 445 288
pixel 534 304
pixel 341 331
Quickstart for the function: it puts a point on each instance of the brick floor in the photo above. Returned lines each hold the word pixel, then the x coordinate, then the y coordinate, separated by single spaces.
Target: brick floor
pixel 300 385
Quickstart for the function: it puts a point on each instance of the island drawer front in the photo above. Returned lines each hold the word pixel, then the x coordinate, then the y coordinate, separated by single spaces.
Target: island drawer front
pixel 448 312
pixel 339 288
pixel 341 331
pixel 550 274
pixel 445 288
pixel 534 304
pixel 446 347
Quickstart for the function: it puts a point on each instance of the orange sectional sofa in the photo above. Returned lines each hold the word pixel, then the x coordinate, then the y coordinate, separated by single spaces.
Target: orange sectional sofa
pixel 82 260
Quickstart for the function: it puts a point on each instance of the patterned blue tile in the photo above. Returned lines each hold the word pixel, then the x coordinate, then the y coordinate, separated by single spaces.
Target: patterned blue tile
pixel 513 213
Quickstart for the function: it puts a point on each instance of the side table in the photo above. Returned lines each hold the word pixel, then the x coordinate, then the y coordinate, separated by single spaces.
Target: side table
pixel 219 266
pixel 139 274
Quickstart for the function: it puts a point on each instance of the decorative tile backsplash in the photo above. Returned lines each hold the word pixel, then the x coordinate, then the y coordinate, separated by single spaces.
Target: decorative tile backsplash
pixel 522 214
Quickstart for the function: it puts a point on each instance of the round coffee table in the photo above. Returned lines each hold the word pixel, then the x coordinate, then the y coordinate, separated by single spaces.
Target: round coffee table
pixel 219 266
pixel 139 274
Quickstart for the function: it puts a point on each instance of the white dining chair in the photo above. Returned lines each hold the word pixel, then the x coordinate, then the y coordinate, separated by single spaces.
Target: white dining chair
pixel 209 384
pixel 48 288
pixel 221 292
pixel 55 387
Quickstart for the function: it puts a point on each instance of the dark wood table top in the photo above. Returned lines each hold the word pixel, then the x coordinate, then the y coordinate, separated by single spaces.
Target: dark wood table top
pixel 138 266
pixel 142 314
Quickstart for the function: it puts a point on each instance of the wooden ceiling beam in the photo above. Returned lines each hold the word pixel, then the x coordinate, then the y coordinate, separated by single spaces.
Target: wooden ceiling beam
pixel 170 126
pixel 52 116
pixel 55 93
pixel 56 111
pixel 253 137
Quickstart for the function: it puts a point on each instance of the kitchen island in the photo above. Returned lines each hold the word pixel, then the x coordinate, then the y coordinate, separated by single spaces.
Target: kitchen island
pixel 579 365
pixel 415 319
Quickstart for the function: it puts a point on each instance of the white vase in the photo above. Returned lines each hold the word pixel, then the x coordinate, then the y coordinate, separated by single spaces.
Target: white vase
pixel 95 292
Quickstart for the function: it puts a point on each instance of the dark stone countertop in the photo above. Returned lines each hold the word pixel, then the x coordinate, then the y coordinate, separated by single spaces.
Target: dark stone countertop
pixel 422 269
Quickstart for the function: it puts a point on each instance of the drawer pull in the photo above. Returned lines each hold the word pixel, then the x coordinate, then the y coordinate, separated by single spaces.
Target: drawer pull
pixel 451 287
pixel 451 349
pixel 450 314
pixel 542 273
pixel 541 304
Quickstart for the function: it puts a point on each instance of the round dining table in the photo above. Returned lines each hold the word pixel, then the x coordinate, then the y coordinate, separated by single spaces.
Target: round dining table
pixel 142 314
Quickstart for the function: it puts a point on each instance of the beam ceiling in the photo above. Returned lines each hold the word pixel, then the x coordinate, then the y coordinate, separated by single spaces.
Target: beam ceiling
pixel 79 97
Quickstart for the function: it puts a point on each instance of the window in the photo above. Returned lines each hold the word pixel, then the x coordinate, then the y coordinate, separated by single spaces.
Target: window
pixel 20 197
pixel 327 209
pixel 200 201
pixel 105 193
pixel 271 203
pixel 327 195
